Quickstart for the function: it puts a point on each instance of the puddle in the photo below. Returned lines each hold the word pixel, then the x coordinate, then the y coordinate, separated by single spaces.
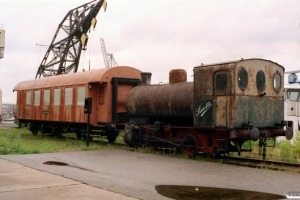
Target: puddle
pixel 55 163
pixel 65 164
pixel 210 193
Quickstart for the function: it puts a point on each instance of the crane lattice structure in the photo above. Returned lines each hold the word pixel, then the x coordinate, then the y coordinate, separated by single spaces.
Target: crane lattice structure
pixel 63 55
pixel 109 59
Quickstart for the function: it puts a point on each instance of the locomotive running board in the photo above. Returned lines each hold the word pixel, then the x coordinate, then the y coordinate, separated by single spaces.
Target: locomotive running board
pixel 166 141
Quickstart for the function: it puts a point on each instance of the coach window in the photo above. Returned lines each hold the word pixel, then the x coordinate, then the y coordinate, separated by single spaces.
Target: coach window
pixel 37 98
pixel 80 95
pixel 222 83
pixel 46 97
pixel 243 79
pixel 277 82
pixel 260 81
pixel 68 96
pixel 101 95
pixel 28 98
pixel 57 93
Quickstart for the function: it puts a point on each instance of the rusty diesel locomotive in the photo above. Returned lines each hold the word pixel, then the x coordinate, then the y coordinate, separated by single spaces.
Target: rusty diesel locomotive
pixel 226 105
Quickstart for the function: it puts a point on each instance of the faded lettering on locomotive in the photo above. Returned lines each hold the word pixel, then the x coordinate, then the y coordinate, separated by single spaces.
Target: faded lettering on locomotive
pixel 204 112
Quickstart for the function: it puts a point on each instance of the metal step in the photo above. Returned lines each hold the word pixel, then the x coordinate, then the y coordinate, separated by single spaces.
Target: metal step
pixel 99 131
pixel 99 125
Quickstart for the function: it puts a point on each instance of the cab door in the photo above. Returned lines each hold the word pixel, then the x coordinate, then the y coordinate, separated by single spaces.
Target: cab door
pixel 221 95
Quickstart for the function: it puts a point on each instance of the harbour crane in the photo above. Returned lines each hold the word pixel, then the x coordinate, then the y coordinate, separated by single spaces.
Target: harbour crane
pixel 62 56
pixel 109 60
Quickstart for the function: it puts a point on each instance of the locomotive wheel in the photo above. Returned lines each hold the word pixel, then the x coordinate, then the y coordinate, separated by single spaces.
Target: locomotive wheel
pixel 190 145
pixel 111 139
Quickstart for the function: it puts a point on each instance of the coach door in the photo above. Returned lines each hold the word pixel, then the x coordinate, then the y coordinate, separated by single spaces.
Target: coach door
pixel 97 108
pixel 100 107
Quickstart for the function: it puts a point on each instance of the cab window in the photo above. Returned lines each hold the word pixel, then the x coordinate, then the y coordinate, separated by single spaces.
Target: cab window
pixel 222 83
pixel 260 81
pixel 243 79
pixel 277 82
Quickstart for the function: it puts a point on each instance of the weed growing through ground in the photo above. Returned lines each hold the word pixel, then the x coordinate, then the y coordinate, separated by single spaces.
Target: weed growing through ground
pixel 284 150
pixel 21 141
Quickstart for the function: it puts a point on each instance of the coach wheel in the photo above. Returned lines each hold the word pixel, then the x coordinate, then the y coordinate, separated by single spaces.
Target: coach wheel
pixel 35 131
pixel 59 133
pixel 190 145
pixel 112 136
pixel 90 138
pixel 84 136
pixel 78 135
pixel 111 139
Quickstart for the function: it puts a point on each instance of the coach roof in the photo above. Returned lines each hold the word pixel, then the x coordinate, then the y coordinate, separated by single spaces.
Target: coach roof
pixel 80 78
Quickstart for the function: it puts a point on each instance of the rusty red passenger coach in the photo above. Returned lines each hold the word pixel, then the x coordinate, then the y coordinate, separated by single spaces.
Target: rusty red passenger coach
pixel 225 106
pixel 56 104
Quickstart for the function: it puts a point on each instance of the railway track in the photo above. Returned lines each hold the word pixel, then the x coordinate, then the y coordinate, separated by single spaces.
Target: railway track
pixel 258 163
pixel 231 160
pixel 245 162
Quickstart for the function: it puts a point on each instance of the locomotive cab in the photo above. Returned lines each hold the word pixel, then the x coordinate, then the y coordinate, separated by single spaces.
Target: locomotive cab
pixel 239 93
pixel 244 98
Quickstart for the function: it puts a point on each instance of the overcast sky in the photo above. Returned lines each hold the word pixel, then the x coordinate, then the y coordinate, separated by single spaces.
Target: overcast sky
pixel 154 35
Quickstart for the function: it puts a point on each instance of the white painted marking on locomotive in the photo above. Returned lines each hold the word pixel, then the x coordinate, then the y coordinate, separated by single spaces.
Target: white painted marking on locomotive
pixel 201 111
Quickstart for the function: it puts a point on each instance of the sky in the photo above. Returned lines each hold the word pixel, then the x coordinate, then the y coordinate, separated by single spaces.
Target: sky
pixel 154 36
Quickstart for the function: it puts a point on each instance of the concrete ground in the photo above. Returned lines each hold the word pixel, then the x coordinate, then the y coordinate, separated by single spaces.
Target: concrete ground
pixel 123 174
pixel 137 174
pixel 20 182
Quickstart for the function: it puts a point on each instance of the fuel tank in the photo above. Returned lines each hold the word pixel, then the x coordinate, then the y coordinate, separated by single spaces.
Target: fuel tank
pixel 166 100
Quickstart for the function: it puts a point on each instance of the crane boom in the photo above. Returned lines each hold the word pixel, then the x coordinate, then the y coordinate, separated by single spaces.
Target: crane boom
pixel 109 59
pixel 104 52
pixel 65 53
